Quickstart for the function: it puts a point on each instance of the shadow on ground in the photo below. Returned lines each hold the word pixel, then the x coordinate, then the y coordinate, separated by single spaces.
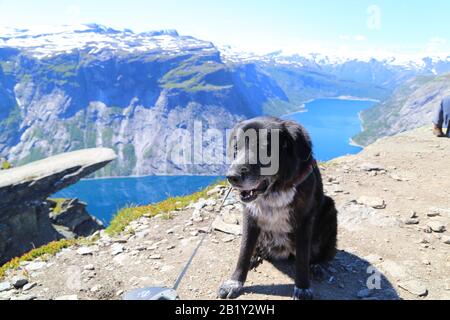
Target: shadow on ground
pixel 341 279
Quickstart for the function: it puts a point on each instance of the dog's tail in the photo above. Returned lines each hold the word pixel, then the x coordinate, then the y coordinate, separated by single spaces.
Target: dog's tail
pixel 325 235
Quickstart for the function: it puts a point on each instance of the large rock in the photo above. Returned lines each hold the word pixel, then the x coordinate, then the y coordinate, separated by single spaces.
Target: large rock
pixel 24 211
pixel 73 216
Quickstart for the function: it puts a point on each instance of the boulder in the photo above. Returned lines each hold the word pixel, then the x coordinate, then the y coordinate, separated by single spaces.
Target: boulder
pixel 25 220
pixel 72 214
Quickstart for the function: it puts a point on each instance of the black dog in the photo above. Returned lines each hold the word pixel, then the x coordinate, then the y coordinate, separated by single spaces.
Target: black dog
pixel 286 213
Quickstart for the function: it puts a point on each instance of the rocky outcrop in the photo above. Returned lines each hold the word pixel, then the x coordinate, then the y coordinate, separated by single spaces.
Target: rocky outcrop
pixel 412 106
pixel 71 218
pixel 24 211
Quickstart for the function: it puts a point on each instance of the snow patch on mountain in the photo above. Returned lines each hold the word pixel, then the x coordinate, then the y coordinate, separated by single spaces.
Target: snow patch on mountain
pixel 47 41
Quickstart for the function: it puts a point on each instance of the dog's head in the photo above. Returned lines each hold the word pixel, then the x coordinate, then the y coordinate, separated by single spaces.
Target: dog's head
pixel 268 154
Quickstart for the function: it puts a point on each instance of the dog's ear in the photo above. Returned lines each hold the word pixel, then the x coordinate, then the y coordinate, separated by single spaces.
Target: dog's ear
pixel 300 141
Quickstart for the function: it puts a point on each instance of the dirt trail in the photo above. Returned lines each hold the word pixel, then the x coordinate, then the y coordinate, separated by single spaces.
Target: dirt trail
pixel 394 212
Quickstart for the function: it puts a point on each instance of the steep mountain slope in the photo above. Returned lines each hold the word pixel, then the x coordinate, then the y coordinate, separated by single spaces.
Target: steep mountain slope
pixel 411 106
pixel 69 88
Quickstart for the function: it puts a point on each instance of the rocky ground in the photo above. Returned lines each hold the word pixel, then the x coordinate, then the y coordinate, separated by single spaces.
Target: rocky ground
pixel 394 214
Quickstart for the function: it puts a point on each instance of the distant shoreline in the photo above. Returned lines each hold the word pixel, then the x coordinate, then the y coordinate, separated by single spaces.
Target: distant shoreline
pixel 303 108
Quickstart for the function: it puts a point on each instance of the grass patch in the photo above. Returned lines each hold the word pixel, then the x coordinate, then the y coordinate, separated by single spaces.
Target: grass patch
pixel 118 225
pixel 5 165
pixel 50 249
pixel 58 205
pixel 127 215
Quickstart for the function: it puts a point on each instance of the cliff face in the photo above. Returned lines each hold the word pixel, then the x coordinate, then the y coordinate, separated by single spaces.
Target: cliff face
pixel 413 105
pixel 92 86
pixel 24 211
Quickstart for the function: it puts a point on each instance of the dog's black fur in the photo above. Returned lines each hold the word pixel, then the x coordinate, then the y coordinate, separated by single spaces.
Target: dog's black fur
pixel 294 199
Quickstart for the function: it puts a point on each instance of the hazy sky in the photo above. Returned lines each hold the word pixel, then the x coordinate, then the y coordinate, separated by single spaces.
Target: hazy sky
pixel 407 26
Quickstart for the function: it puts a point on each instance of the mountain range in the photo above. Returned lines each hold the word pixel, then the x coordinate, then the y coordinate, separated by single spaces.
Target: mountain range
pixel 74 87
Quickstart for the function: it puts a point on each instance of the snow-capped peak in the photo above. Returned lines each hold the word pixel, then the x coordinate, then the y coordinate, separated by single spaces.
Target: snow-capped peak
pixel 45 41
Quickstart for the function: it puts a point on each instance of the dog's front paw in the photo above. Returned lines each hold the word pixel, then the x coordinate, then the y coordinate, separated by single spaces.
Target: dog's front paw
pixel 303 294
pixel 230 289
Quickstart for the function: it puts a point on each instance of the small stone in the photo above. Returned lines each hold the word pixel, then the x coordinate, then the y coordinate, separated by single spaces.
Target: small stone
pixel 19 281
pixel 436 226
pixel 194 233
pixel 67 298
pixel 6 295
pixel 96 288
pixel 426 262
pixel 170 231
pixel 374 202
pixel 85 251
pixel 409 222
pixel 89 267
pixel 427 229
pixel 413 215
pixel 155 257
pixel 121 259
pixel 29 286
pixel 228 239
pixel 433 214
pixel 117 249
pixel 446 239
pixel 364 293
pixel 368 167
pixel 35 266
pixel 414 287
pixel 200 204
pixel 5 286
pixel 119 293
pixel 171 247
pixel 26 297
pixel 220 225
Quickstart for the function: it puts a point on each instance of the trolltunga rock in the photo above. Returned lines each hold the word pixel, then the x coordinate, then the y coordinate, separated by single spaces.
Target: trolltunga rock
pixel 24 211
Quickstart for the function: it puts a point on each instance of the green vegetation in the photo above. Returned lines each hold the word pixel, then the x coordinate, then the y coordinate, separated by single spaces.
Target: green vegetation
pixel 129 155
pixel 194 76
pixel 64 70
pixel 127 215
pixel 7 67
pixel 118 225
pixel 5 165
pixel 34 155
pixel 58 205
pixel 75 132
pixel 50 249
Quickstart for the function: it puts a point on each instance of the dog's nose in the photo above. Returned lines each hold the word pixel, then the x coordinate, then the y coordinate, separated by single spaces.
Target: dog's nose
pixel 234 179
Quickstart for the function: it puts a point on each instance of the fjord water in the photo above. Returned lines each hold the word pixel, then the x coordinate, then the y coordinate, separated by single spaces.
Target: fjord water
pixel 331 123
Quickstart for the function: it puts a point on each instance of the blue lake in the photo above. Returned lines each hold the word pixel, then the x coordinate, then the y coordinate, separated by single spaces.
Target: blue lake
pixel 331 123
